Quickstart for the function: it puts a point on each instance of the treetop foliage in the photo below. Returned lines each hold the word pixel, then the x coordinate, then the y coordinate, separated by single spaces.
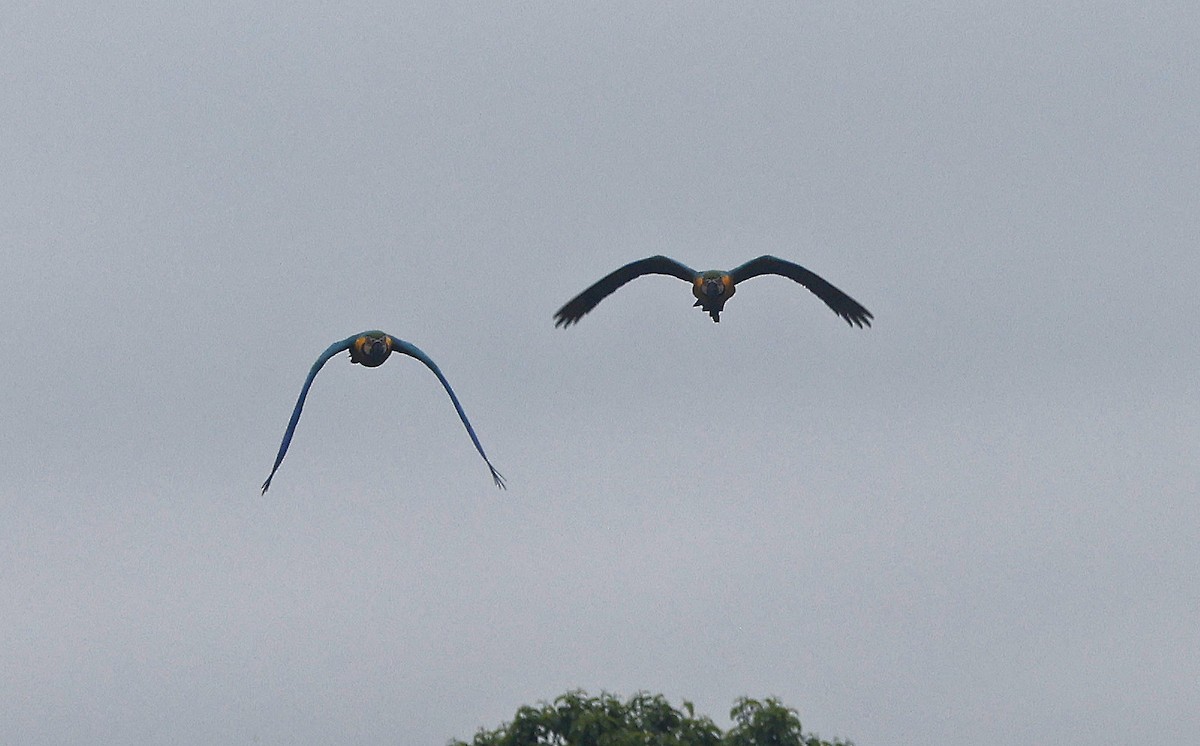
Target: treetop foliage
pixel 577 719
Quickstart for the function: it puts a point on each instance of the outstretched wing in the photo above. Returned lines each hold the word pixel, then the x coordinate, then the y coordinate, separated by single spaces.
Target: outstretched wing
pixel 333 349
pixel 587 300
pixel 399 345
pixel 842 304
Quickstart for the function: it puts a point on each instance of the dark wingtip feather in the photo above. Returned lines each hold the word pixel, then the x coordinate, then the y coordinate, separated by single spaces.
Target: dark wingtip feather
pixel 862 318
pixel 498 478
pixel 561 319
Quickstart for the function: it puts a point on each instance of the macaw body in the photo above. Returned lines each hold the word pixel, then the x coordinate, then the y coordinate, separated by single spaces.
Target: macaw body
pixel 713 288
pixel 371 349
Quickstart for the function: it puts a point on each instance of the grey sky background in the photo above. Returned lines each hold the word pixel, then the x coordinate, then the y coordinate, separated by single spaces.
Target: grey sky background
pixel 975 522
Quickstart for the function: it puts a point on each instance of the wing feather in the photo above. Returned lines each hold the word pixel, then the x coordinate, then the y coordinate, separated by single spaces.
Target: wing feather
pixel 399 345
pixel 333 349
pixel 574 310
pixel 842 304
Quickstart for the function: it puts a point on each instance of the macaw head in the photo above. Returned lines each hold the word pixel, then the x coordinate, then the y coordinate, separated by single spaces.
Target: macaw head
pixel 371 349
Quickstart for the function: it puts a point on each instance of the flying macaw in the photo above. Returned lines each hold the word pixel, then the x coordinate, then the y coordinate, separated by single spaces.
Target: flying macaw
pixel 714 287
pixel 370 349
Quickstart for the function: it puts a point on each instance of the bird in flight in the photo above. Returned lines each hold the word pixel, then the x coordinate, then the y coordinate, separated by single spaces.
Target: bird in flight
pixel 371 349
pixel 714 287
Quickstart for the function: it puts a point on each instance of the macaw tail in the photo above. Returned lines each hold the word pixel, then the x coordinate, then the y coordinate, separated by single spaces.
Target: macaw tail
pixel 714 312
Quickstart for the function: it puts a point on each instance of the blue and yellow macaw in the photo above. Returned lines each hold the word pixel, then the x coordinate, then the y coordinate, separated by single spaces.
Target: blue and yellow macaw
pixel 371 349
pixel 714 287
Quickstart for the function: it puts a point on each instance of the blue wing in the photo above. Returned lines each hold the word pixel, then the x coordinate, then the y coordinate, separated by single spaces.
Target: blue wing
pixel 333 349
pixel 842 304
pixel 575 308
pixel 399 345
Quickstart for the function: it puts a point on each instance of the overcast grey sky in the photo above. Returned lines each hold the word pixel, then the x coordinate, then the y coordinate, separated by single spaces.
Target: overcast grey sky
pixel 974 522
